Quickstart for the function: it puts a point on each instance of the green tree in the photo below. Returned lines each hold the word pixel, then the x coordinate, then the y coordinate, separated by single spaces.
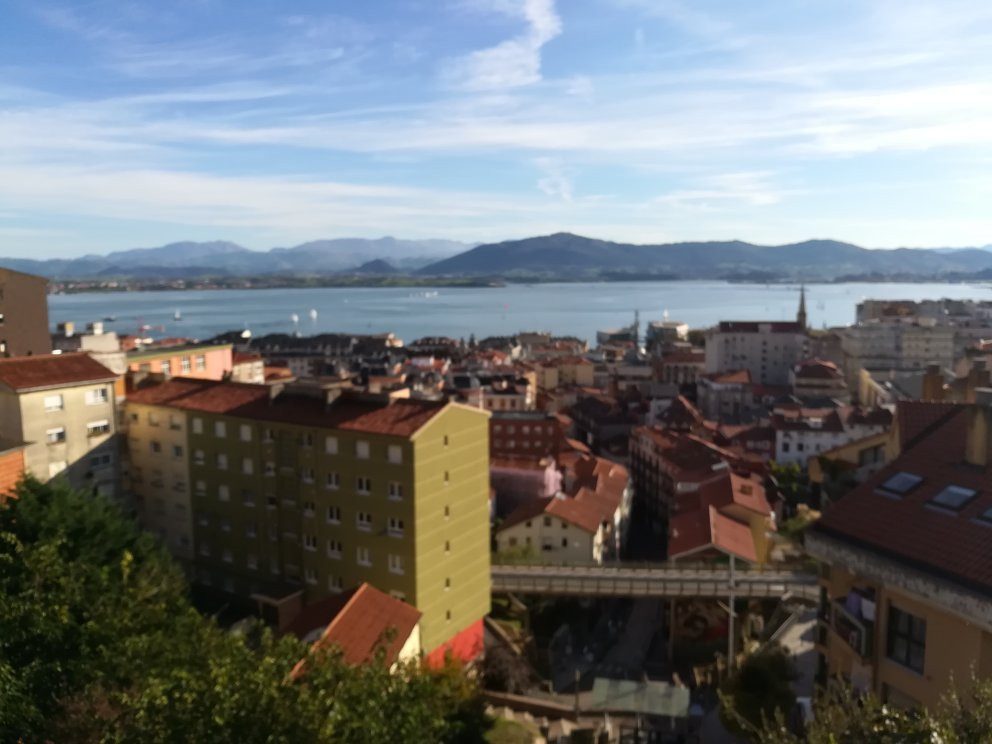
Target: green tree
pixel 98 642
pixel 759 691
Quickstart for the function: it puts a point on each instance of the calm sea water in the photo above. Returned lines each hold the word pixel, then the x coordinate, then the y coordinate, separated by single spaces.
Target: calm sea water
pixel 566 309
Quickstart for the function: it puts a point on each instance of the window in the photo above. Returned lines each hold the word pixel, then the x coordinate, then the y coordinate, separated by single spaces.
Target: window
pixel 906 639
pixel 363 520
pixel 447 583
pixel 252 562
pixel 446 478
pixel 98 461
pixel 270 469
pixel 225 524
pixel 155 447
pixel 247 466
pixel 547 521
pixel 184 365
pixel 446 440
pixel 177 451
pixel 309 508
pixel 310 575
pixel 97 428
pixel 245 432
pixel 564 542
pixel 96 397
pixel 363 485
pixel 271 502
pixel 362 450
pixel 395 454
pixel 202 519
pixel 395 491
pixel 447 544
pixel 227 556
pixel 901 483
pixel 274 565
pixel 220 429
pixel 153 419
pixel 447 513
pixel 221 461
pixel 335 583
pixel 269 435
pixel 310 542
pixel 205 550
pixel 53 403
pixel 166 367
pixel 251 530
pixel 332 481
pixel 953 498
pixel 247 498
pixel 273 533
pixel 197 425
pixel 175 423
pixel 223 492
pixel 334 549
pixel 201 362
pixel 362 557
pixel 201 488
pixel 198 457
pixel 395 564
pixel 395 527
pixel 55 436
pixel 334 514
pixel 306 475
pixel 331 445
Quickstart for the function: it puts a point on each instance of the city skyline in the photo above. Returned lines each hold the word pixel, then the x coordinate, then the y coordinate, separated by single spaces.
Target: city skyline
pixel 131 124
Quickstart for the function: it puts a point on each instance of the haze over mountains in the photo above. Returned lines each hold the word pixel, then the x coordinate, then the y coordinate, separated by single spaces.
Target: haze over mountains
pixel 558 256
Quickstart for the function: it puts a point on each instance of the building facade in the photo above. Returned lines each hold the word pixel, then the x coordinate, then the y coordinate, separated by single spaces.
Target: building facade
pixel 294 492
pixel 23 314
pixel 63 407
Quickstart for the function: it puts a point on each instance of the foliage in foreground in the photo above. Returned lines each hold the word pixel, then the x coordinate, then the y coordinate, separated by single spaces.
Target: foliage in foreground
pixel 98 642
pixel 842 716
pixel 759 691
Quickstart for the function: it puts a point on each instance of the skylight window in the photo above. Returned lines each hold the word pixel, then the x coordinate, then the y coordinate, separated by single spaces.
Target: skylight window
pixel 901 483
pixel 985 516
pixel 953 498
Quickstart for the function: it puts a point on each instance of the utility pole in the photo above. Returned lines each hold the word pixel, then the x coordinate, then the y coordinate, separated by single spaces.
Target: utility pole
pixel 730 614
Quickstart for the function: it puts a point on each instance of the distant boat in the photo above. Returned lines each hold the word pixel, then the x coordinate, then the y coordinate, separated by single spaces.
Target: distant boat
pixel 245 333
pixel 313 314
pixel 295 318
pixel 177 315
pixel 110 319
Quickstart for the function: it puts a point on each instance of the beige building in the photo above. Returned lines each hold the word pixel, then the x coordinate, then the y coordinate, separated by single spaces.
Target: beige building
pixel 62 406
pixel 23 314
pixel 559 530
pixel 159 475
pixel 905 589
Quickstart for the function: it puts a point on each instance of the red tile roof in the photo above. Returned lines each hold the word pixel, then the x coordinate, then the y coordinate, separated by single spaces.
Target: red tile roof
pixel 735 377
pixel 583 514
pixel 699 530
pixel 357 622
pixel 916 417
pixel 817 369
pixel 396 417
pixel 754 326
pixel 950 545
pixel 52 370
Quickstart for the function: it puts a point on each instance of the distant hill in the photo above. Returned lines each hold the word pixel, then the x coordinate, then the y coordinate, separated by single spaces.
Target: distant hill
pixel 223 258
pixel 377 267
pixel 566 255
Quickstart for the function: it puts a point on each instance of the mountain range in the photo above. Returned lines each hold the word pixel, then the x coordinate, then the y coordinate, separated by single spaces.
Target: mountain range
pixel 223 258
pixel 558 256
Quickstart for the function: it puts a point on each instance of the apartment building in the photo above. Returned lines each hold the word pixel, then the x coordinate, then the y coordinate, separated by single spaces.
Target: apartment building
pixel 62 406
pixel 906 575
pixel 303 490
pixel 23 314
pixel 804 433
pixel 895 346
pixel 200 361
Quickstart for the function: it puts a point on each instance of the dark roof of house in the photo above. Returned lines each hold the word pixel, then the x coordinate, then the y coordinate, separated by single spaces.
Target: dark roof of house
pixel 395 417
pixel 909 527
pixel 358 621
pixel 754 326
pixel 52 370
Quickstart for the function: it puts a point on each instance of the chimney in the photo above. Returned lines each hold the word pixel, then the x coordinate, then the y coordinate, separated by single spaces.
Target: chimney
pixel 933 383
pixel 980 429
pixel 978 377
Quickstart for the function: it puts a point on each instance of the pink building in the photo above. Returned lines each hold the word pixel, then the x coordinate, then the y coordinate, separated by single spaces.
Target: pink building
pixel 200 361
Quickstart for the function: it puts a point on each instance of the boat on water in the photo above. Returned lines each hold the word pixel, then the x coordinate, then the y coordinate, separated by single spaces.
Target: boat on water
pixel 110 319
pixel 313 314
pixel 177 315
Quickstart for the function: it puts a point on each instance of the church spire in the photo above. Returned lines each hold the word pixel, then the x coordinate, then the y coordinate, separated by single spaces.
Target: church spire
pixel 801 315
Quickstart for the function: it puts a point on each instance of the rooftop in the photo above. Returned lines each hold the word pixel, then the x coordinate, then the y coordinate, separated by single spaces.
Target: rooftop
pixel 394 417
pixel 358 621
pixel 52 371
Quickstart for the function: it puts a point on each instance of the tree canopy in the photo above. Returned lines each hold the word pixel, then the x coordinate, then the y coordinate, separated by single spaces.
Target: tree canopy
pixel 99 642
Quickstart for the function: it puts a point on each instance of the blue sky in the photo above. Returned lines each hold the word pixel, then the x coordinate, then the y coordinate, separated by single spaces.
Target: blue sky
pixel 137 123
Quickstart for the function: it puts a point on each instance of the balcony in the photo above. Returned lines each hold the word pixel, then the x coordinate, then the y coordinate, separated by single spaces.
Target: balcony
pixel 855 630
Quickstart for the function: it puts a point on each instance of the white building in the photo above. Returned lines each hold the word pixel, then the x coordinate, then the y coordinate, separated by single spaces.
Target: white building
pixel 802 433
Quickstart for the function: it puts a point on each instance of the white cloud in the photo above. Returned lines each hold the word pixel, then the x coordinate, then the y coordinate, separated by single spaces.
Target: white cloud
pixel 512 63
pixel 554 182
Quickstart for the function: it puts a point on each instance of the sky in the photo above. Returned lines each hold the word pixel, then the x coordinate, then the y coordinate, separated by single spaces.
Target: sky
pixel 127 123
